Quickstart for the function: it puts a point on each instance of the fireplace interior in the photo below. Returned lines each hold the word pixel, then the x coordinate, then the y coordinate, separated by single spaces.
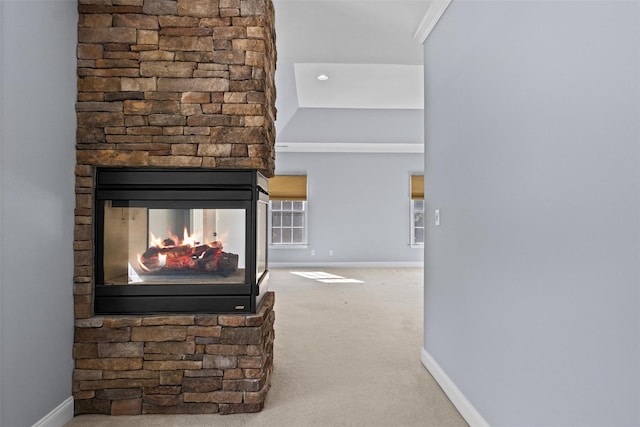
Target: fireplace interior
pixel 180 240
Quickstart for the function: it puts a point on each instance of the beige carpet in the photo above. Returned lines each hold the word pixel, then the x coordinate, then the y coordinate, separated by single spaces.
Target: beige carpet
pixel 346 354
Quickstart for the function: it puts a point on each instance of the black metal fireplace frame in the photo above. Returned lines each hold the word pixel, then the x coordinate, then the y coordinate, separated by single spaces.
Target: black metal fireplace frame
pixel 216 188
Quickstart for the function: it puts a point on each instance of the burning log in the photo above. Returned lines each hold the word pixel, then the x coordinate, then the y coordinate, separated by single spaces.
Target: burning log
pixel 175 258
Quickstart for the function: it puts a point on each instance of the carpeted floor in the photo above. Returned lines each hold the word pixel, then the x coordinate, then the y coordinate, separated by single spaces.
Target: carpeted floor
pixel 346 354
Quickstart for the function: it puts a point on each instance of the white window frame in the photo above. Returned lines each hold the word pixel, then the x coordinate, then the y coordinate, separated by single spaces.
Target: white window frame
pixel 414 227
pixel 305 226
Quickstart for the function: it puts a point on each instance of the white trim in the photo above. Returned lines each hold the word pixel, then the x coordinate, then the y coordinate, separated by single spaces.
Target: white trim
pixel 347 147
pixel 434 13
pixel 412 224
pixel 59 416
pixel 382 264
pixel 2 383
pixel 462 404
pixel 277 246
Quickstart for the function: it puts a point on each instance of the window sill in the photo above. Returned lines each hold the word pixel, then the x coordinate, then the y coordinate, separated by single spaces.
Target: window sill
pixel 415 246
pixel 277 247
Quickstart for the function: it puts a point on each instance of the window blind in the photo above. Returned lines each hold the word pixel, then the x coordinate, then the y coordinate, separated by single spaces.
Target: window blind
pixel 288 187
pixel 417 187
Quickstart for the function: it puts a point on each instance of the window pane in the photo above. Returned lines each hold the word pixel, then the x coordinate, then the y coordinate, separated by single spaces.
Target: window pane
pixel 419 238
pixel 276 219
pixel 418 205
pixel 288 216
pixel 276 235
pixel 419 220
pixel 286 219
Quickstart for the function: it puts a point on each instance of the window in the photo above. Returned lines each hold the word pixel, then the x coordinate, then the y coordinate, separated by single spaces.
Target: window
pixel 417 213
pixel 417 210
pixel 288 210
pixel 288 222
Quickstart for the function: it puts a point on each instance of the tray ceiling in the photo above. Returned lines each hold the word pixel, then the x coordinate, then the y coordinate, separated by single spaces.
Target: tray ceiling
pixel 373 63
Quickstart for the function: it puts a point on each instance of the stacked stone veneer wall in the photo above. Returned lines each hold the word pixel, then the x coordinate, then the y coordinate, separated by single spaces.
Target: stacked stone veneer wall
pixel 176 83
pixel 170 83
pixel 199 363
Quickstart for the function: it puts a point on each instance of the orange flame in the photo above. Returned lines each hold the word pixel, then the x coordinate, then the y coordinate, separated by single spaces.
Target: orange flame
pixel 158 242
pixel 189 240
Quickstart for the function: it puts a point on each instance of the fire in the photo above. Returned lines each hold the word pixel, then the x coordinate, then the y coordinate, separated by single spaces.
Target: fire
pixel 189 240
pixel 172 247
pixel 186 254
pixel 173 240
pixel 155 241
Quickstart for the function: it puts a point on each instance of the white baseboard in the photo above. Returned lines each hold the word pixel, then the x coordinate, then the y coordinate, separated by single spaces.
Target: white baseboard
pixel 466 409
pixel 321 264
pixel 59 416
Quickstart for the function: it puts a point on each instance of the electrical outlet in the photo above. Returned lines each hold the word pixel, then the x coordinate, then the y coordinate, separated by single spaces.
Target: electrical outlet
pixel 330 252
pixel 313 251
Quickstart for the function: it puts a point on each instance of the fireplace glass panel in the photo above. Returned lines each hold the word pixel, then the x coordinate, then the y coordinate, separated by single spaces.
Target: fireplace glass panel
pixel 261 239
pixel 167 246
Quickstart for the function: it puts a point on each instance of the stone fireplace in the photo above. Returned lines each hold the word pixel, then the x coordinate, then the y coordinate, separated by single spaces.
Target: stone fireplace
pixel 180 240
pixel 167 85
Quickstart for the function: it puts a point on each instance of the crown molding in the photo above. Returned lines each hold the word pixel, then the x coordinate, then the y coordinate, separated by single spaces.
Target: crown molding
pixel 434 13
pixel 347 147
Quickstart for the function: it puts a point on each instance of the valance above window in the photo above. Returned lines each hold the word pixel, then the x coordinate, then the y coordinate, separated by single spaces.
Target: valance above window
pixel 417 187
pixel 288 187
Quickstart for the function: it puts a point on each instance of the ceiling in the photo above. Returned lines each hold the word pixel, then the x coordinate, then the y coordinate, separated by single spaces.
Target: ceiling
pixel 374 93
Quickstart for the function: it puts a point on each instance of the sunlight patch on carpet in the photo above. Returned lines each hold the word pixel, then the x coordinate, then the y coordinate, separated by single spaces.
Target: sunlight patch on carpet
pixel 323 277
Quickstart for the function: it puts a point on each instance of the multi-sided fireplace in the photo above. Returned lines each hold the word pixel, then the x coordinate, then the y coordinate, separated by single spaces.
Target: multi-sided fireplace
pixel 180 240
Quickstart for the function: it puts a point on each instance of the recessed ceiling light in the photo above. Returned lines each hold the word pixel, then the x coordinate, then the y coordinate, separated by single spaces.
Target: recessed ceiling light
pixel 323 77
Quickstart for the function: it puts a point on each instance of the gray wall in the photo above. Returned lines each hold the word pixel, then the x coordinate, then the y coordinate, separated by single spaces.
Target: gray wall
pixel 353 125
pixel 37 133
pixel 532 157
pixel 358 207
